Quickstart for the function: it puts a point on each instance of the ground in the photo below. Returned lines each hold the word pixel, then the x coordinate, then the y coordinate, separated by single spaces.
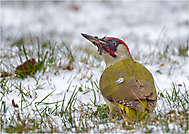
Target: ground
pixel 61 93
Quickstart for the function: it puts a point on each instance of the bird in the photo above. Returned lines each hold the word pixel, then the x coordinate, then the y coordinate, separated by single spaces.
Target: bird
pixel 127 86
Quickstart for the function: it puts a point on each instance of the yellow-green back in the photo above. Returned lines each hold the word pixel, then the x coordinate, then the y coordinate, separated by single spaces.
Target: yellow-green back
pixel 127 80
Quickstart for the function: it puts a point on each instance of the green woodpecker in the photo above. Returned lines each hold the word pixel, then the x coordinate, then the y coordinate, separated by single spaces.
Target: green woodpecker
pixel 127 86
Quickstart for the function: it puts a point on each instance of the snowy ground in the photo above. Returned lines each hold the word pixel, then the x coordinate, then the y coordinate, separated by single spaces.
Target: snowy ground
pixel 147 27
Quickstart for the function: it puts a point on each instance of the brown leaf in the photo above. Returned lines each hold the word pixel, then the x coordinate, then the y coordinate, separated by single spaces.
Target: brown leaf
pixel 155 119
pixel 27 68
pixel 68 67
pixel 180 85
pixel 171 112
pixel 75 7
pixel 14 104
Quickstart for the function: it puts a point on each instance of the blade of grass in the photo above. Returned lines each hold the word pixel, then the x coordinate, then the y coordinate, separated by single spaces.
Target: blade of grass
pixel 37 103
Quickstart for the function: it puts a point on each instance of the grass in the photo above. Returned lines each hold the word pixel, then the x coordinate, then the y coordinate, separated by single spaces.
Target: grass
pixel 168 55
pixel 31 103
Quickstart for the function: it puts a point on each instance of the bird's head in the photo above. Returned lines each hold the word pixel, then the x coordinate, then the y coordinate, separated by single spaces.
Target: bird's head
pixel 112 49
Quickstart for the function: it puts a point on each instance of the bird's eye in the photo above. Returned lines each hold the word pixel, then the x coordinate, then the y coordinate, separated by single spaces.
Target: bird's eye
pixel 114 43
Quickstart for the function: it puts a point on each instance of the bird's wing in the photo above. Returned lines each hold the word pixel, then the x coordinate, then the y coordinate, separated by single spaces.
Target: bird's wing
pixel 127 80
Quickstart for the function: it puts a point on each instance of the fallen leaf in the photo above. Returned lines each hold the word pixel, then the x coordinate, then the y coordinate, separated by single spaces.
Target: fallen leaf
pixel 27 68
pixel 75 7
pixel 14 104
pixel 161 65
pixel 180 85
pixel 68 67
pixel 171 112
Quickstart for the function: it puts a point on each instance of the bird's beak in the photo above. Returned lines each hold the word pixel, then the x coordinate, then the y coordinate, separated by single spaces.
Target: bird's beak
pixel 96 41
pixel 92 39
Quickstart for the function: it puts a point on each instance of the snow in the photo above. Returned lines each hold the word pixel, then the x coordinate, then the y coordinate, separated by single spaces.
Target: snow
pixel 140 24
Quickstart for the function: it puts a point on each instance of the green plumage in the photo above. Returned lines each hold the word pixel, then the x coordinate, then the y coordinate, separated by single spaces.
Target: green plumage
pixel 136 84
